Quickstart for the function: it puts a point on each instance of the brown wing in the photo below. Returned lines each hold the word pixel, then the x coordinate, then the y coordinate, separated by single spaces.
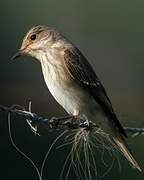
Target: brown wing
pixel 80 70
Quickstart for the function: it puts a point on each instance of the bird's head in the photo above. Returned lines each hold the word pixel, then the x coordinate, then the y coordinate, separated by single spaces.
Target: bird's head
pixel 37 40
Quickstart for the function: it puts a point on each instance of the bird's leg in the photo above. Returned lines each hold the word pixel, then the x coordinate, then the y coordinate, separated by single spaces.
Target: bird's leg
pixel 81 121
pixel 85 123
pixel 76 117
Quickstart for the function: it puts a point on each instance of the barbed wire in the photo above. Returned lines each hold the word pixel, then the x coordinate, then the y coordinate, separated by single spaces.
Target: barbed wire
pixel 57 122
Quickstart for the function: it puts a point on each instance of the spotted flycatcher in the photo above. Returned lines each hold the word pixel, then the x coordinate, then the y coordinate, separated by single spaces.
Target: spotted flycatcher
pixel 74 84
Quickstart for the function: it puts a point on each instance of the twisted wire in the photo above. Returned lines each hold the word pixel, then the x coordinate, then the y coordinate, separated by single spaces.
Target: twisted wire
pixel 58 122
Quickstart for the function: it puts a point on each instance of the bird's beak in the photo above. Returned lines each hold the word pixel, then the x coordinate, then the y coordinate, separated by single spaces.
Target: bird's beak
pixel 20 53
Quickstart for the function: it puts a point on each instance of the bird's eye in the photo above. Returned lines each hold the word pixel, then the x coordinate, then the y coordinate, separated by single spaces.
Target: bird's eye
pixel 33 37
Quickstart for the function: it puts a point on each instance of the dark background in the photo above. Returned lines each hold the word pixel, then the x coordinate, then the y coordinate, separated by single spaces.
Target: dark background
pixel 110 33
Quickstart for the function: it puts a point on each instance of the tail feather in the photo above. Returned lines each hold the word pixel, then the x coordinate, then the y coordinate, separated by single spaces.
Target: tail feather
pixel 123 148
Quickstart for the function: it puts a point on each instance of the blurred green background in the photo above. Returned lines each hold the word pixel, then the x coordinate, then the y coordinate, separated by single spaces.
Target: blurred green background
pixel 110 33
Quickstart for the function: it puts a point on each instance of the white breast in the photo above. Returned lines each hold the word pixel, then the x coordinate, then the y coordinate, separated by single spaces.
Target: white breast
pixel 66 92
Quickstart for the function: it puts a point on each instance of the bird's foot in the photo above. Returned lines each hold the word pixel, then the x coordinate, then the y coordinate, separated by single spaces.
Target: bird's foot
pixel 88 125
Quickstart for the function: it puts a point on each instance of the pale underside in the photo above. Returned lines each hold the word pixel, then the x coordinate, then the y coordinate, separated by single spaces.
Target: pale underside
pixel 67 92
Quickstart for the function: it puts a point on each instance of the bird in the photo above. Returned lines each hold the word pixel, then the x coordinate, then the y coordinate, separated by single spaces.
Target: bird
pixel 74 84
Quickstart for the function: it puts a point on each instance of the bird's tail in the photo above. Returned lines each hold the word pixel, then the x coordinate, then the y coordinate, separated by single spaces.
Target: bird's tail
pixel 122 146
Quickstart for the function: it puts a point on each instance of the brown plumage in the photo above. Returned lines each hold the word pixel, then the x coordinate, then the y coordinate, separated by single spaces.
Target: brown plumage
pixel 74 84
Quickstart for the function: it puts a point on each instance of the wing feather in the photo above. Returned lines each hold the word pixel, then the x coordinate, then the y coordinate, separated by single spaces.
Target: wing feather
pixel 80 70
